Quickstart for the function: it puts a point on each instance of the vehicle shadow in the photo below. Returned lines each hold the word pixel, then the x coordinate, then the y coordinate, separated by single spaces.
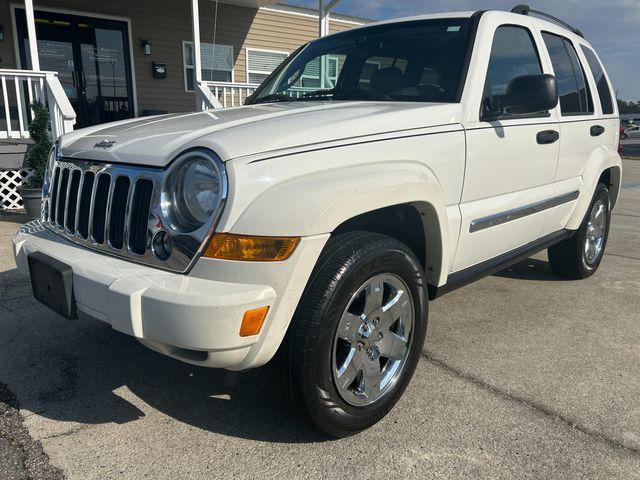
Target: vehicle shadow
pixel 85 372
pixel 531 269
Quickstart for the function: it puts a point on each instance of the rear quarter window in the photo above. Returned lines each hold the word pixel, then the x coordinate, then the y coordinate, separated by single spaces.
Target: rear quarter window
pixel 573 88
pixel 604 90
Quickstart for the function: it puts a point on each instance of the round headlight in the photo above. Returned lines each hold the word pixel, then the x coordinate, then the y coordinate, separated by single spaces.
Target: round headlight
pixel 193 191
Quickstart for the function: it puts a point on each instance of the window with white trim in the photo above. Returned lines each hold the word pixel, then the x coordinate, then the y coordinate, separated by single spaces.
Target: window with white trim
pixel 217 63
pixel 260 63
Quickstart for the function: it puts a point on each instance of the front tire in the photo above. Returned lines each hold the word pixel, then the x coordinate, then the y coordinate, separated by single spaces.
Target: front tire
pixel 579 256
pixel 356 337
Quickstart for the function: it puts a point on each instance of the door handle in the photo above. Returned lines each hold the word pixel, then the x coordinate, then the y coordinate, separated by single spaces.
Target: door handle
pixel 547 136
pixel 597 130
pixel 74 76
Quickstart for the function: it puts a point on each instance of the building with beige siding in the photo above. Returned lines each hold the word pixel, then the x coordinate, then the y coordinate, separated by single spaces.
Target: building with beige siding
pixel 121 58
pixel 97 61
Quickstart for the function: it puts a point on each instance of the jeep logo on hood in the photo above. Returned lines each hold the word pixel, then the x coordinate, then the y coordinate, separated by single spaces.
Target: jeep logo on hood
pixel 104 144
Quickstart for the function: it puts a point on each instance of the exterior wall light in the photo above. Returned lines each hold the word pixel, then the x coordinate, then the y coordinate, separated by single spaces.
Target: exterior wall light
pixel 146 47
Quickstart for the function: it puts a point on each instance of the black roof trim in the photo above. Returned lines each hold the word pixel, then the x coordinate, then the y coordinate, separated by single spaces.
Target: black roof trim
pixel 526 10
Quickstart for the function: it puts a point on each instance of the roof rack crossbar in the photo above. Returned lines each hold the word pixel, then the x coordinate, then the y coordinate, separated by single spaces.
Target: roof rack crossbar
pixel 526 10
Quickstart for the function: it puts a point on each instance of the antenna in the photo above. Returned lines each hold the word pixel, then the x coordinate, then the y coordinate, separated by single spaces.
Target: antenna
pixel 527 10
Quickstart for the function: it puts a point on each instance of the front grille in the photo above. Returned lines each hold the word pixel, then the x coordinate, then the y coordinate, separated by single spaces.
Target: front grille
pixel 105 207
pixel 116 209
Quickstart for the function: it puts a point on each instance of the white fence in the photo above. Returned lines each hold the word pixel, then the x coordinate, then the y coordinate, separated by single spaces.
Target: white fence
pixel 225 95
pixel 10 181
pixel 20 88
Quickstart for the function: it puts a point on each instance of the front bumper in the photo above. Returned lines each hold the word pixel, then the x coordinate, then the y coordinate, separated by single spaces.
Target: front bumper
pixel 193 319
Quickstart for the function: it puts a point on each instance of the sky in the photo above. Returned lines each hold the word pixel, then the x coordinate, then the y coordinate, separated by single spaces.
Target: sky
pixel 612 26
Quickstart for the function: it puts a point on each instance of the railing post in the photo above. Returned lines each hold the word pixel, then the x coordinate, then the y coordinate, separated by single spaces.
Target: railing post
pixel 197 59
pixel 31 33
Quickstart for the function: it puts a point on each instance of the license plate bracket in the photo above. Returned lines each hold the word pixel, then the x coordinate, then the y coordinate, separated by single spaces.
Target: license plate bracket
pixel 52 284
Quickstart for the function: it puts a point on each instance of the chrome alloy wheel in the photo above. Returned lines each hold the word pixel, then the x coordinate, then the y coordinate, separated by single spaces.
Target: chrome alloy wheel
pixel 596 229
pixel 372 341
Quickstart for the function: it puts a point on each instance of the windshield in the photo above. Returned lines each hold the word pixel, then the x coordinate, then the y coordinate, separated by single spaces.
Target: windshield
pixel 417 61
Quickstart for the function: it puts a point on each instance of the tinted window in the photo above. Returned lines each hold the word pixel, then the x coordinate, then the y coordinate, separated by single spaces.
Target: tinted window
pixel 513 54
pixel 604 91
pixel 575 96
pixel 384 62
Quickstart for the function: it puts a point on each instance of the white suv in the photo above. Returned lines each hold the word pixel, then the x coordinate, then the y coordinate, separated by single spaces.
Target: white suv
pixel 374 170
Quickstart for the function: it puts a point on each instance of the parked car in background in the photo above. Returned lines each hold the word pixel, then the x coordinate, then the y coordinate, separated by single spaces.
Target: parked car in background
pixel 312 226
pixel 632 132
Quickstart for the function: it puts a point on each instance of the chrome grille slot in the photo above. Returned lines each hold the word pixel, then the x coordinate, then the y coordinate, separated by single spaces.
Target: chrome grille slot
pixel 140 207
pixel 117 213
pixel 54 195
pixel 116 209
pixel 84 206
pixel 62 197
pixel 100 203
pixel 72 201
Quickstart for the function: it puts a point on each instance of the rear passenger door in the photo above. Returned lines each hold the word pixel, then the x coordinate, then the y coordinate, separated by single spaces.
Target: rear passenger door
pixel 510 166
pixel 581 129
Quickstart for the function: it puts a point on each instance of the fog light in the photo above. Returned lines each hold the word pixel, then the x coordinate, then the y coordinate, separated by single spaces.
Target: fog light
pixel 252 321
pixel 162 245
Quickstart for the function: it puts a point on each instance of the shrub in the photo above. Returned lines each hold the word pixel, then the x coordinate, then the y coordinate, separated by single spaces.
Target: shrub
pixel 39 152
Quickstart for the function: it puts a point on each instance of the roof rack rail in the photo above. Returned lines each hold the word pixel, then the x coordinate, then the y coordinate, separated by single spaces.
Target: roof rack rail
pixel 526 10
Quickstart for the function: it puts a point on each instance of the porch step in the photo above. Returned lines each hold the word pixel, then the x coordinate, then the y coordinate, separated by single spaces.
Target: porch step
pixel 13 153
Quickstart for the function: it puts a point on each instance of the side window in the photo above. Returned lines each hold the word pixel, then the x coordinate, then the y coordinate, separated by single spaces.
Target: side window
pixel 513 54
pixel 604 91
pixel 575 96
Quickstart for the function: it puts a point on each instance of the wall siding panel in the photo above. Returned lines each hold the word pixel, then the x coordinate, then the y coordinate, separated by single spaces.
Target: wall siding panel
pixel 166 23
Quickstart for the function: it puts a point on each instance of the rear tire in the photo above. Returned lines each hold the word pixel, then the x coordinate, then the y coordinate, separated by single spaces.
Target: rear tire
pixel 322 351
pixel 579 256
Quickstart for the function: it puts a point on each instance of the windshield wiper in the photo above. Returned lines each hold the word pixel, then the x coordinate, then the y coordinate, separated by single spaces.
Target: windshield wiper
pixel 341 94
pixel 273 98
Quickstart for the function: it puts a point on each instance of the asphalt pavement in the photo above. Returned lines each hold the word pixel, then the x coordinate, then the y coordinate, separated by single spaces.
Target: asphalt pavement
pixel 524 375
pixel 631 147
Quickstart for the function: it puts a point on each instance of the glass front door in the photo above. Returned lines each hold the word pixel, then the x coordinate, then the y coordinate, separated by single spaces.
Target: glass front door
pixel 91 57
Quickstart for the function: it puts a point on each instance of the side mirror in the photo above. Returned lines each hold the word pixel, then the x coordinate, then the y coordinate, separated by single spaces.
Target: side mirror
pixel 526 95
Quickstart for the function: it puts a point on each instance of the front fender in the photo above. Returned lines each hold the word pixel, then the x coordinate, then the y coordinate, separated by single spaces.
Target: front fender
pixel 318 202
pixel 603 158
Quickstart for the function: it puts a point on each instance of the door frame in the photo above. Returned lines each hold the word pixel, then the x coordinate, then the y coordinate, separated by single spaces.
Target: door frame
pixel 79 13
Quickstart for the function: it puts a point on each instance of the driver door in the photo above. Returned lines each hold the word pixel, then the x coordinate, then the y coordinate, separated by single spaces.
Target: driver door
pixel 511 163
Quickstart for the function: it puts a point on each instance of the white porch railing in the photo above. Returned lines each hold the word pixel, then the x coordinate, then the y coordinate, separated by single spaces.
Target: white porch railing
pixel 20 88
pixel 235 94
pixel 227 94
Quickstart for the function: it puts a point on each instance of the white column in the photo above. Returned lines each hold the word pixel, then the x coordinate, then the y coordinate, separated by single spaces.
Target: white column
pixel 195 15
pixel 31 32
pixel 324 9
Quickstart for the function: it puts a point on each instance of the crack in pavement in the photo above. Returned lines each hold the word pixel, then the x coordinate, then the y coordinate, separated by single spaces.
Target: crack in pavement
pixel 621 256
pixel 67 433
pixel 538 407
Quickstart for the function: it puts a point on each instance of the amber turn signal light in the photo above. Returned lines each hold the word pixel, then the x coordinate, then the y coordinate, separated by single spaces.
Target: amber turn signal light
pixel 227 246
pixel 252 321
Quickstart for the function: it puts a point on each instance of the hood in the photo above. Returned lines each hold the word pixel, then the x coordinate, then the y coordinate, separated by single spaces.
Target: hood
pixel 249 130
